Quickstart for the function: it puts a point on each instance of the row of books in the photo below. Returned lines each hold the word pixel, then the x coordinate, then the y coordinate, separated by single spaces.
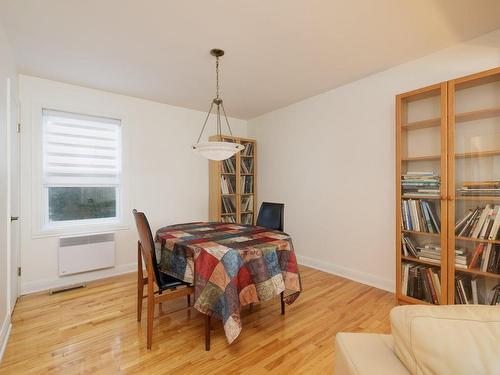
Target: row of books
pixel 247 203
pixel 473 290
pixel 227 185
pixel 228 166
pixel 419 216
pixel 480 188
pixel 246 184
pixel 247 165
pixel 228 219
pixel 482 223
pixel 486 258
pixel 421 282
pixel 228 205
pixel 248 151
pixel 432 252
pixel 420 183
pixel 247 219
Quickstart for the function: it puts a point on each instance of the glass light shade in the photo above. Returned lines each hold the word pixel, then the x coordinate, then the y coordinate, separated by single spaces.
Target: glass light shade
pixel 217 150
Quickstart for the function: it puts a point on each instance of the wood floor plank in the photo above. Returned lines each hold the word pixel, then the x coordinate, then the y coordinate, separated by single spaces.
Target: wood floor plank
pixel 94 330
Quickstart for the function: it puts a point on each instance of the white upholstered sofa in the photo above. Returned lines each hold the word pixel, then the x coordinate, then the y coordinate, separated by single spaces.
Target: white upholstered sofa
pixel 455 339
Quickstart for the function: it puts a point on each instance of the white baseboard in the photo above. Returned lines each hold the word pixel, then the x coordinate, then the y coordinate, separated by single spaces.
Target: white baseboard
pixel 4 335
pixel 41 285
pixel 348 273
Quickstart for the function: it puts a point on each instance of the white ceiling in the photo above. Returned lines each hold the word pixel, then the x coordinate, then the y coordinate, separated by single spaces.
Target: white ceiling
pixel 277 51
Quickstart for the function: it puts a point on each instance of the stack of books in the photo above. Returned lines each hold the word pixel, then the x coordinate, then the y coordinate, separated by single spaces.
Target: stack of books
pixel 228 166
pixel 421 282
pixel 420 184
pixel 430 253
pixel 461 258
pixel 226 185
pixel 419 216
pixel 489 188
pixel 486 258
pixel 482 223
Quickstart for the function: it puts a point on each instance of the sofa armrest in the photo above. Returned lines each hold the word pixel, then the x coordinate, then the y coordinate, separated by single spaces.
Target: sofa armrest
pixel 366 353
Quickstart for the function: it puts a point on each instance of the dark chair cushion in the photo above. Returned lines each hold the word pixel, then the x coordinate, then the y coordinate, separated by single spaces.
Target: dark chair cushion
pixel 169 282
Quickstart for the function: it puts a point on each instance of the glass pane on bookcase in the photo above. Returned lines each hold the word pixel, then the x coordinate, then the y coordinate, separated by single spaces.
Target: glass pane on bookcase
pixel 421 227
pixel 228 204
pixel 228 184
pixel 249 149
pixel 246 184
pixel 247 203
pixel 247 166
pixel 477 191
pixel 228 218
pixel 247 218
pixel 421 281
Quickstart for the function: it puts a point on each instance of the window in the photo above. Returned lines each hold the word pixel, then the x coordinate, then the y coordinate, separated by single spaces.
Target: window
pixel 81 169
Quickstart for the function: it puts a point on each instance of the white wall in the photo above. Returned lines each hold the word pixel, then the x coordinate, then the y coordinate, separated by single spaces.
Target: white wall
pixel 331 160
pixel 162 176
pixel 7 71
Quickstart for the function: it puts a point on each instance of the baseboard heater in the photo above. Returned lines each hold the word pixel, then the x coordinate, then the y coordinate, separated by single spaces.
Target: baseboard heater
pixel 86 253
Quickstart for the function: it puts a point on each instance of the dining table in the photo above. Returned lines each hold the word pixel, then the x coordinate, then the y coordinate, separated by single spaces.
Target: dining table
pixel 230 265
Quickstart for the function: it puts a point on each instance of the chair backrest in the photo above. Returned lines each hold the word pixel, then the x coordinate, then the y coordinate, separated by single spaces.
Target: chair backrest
pixel 271 215
pixel 147 244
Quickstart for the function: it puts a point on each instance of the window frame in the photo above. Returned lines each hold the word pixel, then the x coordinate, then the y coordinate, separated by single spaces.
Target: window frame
pixel 40 227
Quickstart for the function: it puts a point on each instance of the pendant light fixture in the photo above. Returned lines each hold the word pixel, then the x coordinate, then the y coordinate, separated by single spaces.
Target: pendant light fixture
pixel 217 150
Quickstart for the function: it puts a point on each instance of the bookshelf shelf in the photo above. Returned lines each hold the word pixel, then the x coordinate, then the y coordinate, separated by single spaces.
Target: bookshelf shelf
pixel 421 261
pixel 476 271
pixel 478 154
pixel 450 157
pixel 239 172
pixel 477 198
pixel 477 240
pixel 420 233
pixel 422 158
pixel 410 300
pixel 426 197
pixel 477 115
pixel 430 123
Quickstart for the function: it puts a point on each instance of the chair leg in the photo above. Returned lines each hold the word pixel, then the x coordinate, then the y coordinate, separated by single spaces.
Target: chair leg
pixel 282 303
pixel 151 311
pixel 140 282
pixel 207 332
pixel 189 300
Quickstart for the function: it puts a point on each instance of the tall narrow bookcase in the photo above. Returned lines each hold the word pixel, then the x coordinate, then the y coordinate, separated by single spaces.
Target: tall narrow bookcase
pixel 232 184
pixel 448 192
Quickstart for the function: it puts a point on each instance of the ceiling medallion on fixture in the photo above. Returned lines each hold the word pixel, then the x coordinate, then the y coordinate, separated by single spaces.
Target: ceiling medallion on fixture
pixel 217 150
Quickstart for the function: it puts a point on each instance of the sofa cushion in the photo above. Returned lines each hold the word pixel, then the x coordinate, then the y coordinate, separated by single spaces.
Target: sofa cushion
pixel 366 353
pixel 454 339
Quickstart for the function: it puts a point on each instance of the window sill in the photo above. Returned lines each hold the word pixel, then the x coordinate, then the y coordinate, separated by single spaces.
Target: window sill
pixel 76 230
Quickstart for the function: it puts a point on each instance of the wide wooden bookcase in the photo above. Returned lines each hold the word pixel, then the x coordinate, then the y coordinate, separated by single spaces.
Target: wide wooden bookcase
pixel 448 192
pixel 232 184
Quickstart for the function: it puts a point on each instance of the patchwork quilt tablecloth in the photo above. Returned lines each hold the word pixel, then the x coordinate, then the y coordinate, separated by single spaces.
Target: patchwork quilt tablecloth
pixel 230 265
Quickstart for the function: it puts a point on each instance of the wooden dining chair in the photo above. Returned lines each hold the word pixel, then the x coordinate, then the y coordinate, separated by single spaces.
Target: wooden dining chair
pixel 173 288
pixel 271 215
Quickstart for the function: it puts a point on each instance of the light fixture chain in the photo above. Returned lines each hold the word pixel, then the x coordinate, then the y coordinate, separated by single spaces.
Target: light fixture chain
pixel 205 123
pixel 217 77
pixel 225 116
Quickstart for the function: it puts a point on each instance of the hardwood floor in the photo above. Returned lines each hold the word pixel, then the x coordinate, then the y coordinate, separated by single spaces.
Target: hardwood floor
pixel 94 330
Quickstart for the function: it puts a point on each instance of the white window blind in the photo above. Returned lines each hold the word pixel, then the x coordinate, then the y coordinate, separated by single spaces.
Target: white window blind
pixel 80 150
